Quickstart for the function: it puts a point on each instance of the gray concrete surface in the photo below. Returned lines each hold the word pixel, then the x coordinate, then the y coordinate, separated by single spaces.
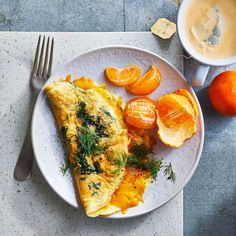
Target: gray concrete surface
pixel 210 197
pixel 27 207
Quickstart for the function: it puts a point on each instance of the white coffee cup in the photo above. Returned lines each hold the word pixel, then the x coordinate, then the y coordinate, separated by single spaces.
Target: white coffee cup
pixel 205 63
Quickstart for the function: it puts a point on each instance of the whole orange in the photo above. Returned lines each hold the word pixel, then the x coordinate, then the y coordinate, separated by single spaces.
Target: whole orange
pixel 222 93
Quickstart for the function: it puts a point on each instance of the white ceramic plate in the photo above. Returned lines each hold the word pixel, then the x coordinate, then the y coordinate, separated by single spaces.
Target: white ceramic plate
pixel 49 150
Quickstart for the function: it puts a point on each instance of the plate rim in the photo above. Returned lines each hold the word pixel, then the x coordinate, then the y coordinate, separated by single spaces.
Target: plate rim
pixel 201 123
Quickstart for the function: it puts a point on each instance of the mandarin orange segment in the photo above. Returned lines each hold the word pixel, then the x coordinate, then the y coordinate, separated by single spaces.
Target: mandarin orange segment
pixel 175 119
pixel 123 77
pixel 190 98
pixel 140 113
pixel 68 78
pixel 85 83
pixel 147 83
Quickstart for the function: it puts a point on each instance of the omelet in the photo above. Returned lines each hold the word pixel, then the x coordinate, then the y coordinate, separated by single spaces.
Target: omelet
pixel 130 191
pixel 92 125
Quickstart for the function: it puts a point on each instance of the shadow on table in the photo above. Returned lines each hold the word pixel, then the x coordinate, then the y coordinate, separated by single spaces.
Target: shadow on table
pixel 212 119
pixel 222 222
pixel 214 217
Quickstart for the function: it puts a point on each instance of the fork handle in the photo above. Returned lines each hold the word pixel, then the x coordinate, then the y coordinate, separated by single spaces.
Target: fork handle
pixel 24 163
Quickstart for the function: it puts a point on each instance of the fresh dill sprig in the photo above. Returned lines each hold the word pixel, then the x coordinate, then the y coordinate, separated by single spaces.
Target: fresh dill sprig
pixel 120 163
pixel 88 144
pixel 140 151
pixel 141 157
pixel 145 163
pixel 153 166
pixel 168 171
pixel 65 166
pixel 133 160
pixel 88 119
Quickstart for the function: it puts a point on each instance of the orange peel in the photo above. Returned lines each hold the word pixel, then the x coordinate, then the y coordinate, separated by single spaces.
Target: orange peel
pixel 188 95
pixel 176 118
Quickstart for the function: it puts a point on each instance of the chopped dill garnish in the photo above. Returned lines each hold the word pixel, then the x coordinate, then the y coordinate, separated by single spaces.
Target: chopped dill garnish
pixel 63 132
pixel 88 119
pixel 120 163
pixel 153 166
pixel 106 112
pixel 94 193
pixel 65 166
pixel 87 146
pixel 84 167
pixel 97 167
pixel 140 151
pixel 81 113
pixel 94 185
pixel 170 173
pixel 145 163
pixel 100 128
pixel 141 157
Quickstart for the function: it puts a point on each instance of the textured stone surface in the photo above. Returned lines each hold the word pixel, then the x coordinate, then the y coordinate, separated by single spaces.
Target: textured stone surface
pixel 55 15
pixel 210 197
pixel 31 207
pixel 140 14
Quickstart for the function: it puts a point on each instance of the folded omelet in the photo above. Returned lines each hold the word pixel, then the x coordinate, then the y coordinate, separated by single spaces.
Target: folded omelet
pixel 91 123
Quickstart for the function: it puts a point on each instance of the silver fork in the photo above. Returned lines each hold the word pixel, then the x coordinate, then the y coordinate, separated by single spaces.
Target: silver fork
pixel 40 73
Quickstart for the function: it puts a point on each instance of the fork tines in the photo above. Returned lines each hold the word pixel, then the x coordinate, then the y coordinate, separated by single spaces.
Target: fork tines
pixel 43 64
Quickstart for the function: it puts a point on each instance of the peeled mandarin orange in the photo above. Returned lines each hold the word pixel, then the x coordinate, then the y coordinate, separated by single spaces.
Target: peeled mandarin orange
pixel 188 95
pixel 222 93
pixel 147 83
pixel 176 119
pixel 140 113
pixel 123 77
